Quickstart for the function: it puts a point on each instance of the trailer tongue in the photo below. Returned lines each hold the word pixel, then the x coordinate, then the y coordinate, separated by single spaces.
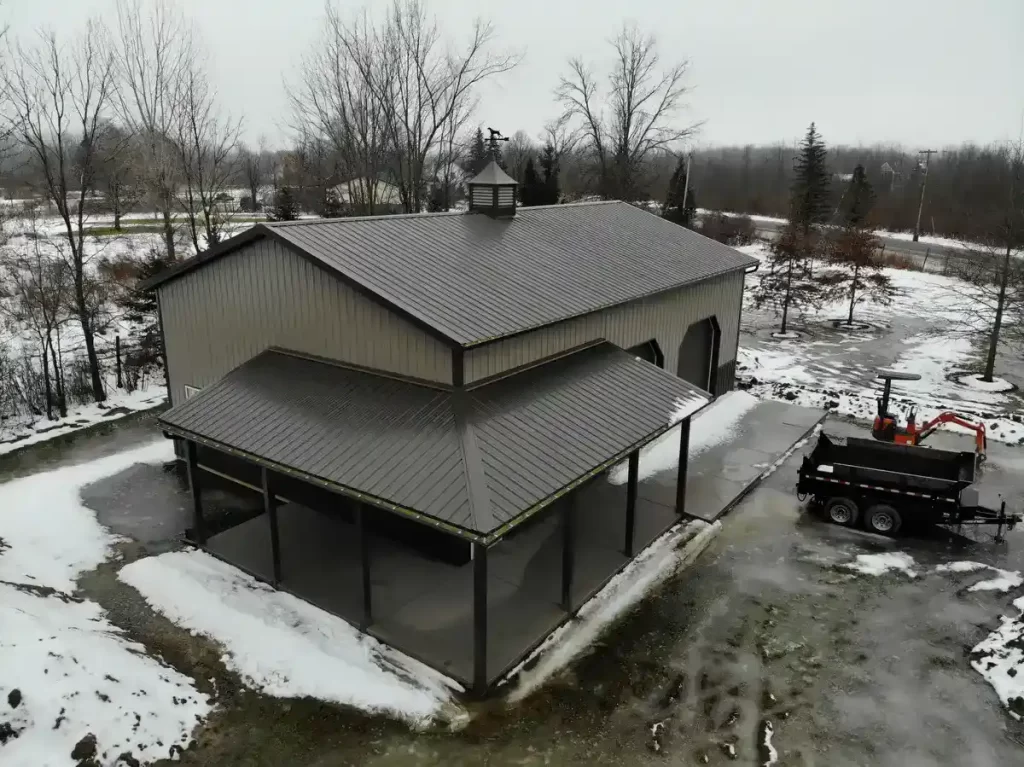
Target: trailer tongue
pixel 883 485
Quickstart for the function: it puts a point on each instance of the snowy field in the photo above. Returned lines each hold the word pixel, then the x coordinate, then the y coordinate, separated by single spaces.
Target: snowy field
pixel 826 365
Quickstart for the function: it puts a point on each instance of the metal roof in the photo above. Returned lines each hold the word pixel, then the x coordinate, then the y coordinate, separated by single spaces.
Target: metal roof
pixel 494 175
pixel 470 278
pixel 474 459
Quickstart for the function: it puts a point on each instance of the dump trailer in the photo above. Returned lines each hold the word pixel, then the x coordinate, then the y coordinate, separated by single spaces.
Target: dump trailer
pixel 881 486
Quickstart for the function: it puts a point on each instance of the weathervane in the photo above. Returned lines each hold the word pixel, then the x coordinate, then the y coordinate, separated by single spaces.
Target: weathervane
pixel 495 138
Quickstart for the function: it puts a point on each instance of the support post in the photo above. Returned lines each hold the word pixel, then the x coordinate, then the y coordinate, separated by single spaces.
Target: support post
pixel 198 524
pixel 479 619
pixel 631 485
pixel 568 550
pixel 364 559
pixel 684 459
pixel 270 507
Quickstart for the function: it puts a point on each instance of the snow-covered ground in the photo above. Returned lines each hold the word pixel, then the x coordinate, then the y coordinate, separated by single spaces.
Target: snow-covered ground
pixel 285 647
pixel 68 677
pixel 834 367
pixel 117 405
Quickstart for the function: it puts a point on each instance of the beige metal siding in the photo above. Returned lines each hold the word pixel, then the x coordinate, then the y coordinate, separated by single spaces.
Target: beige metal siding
pixel 665 318
pixel 217 317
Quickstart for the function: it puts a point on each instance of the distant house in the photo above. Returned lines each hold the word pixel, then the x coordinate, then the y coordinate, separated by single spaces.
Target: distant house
pixel 357 191
pixel 428 406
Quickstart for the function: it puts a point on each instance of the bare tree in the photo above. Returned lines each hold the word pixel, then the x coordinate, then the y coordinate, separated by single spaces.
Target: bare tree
pixel 58 98
pixel 419 82
pixel 634 119
pixel 991 299
pixel 336 103
pixel 117 170
pixel 36 294
pixel 517 151
pixel 207 146
pixel 254 171
pixel 153 54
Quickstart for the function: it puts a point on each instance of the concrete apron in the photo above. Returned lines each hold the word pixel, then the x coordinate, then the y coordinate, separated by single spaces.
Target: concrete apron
pixel 718 479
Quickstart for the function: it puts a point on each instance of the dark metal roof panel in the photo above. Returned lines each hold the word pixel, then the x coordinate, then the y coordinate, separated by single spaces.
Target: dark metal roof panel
pixel 544 428
pixel 475 459
pixel 474 278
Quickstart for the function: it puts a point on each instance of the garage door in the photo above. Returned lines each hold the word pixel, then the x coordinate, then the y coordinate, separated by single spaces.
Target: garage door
pixel 695 354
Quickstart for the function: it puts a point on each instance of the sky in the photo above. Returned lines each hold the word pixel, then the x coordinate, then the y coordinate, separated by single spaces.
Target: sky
pixel 921 73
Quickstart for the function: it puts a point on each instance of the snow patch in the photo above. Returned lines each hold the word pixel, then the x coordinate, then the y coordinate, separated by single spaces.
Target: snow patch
pixel 999 658
pixel 789 335
pixel 1003 581
pixel 880 564
pixel 285 647
pixel 658 562
pixel 769 755
pixel 51 537
pixel 77 674
pixel 961 567
pixel 974 381
pixel 712 426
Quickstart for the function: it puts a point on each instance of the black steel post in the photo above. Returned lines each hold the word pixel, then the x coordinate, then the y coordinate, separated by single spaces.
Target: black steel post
pixel 684 459
pixel 364 559
pixel 568 550
pixel 117 354
pixel 270 507
pixel 885 397
pixel 198 525
pixel 631 485
pixel 479 619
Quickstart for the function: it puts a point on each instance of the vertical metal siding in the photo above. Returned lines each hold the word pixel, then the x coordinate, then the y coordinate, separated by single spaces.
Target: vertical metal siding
pixel 665 318
pixel 264 295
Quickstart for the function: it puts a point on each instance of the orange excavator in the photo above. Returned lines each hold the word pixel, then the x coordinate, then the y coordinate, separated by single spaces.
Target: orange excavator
pixel 887 428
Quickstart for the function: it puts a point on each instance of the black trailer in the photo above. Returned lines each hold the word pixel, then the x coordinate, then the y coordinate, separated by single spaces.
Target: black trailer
pixel 883 485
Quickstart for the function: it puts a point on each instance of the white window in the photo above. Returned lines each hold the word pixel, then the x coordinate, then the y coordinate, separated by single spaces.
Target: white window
pixel 190 390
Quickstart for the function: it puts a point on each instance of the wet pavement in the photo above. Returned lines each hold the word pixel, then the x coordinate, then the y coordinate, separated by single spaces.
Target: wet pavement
pixel 766 630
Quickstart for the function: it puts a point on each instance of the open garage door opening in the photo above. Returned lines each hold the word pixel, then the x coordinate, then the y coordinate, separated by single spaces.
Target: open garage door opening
pixel 698 354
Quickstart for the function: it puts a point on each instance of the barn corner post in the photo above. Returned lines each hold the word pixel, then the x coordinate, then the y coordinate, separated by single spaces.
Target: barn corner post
pixel 198 523
pixel 479 619
pixel 684 459
pixel 631 490
pixel 364 562
pixel 270 509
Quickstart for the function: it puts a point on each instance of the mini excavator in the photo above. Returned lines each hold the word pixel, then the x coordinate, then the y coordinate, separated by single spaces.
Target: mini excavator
pixel 887 428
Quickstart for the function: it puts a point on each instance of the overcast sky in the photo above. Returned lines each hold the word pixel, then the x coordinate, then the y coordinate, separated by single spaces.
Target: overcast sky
pixel 916 72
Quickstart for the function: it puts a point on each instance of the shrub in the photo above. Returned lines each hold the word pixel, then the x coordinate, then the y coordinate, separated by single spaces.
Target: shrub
pixel 732 230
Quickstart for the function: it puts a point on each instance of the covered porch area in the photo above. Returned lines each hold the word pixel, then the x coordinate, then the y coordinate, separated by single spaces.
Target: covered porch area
pixel 544 531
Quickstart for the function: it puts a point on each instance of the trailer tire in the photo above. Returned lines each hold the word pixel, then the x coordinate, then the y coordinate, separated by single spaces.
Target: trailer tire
pixel 883 519
pixel 842 511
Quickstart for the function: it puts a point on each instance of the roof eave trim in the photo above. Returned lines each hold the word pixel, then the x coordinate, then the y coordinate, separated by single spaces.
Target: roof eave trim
pixel 372 500
pixel 210 254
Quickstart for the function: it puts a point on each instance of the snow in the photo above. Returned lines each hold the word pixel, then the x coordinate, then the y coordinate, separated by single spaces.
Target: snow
pixel 51 538
pixel 1003 582
pixel 76 673
pixel 712 426
pixel 880 564
pixel 657 563
pixel 120 402
pixel 771 755
pixel 789 335
pixel 973 380
pixel 999 658
pixel 961 567
pixel 283 646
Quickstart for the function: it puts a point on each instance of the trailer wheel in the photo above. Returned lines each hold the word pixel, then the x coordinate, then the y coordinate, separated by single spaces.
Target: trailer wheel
pixel 842 511
pixel 883 519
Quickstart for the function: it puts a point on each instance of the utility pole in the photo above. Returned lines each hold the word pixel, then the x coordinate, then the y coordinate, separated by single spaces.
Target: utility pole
pixel 686 183
pixel 924 182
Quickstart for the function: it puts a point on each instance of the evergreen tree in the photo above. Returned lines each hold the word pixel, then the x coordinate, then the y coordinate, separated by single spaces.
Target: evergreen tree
pixel 479 155
pixel 285 207
pixel 786 280
pixel 532 191
pixel 810 192
pixel 140 308
pixel 674 209
pixel 855 274
pixel 549 164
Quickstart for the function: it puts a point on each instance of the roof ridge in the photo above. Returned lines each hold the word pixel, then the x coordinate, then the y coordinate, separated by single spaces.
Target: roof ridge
pixel 480 507
pixel 356 219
